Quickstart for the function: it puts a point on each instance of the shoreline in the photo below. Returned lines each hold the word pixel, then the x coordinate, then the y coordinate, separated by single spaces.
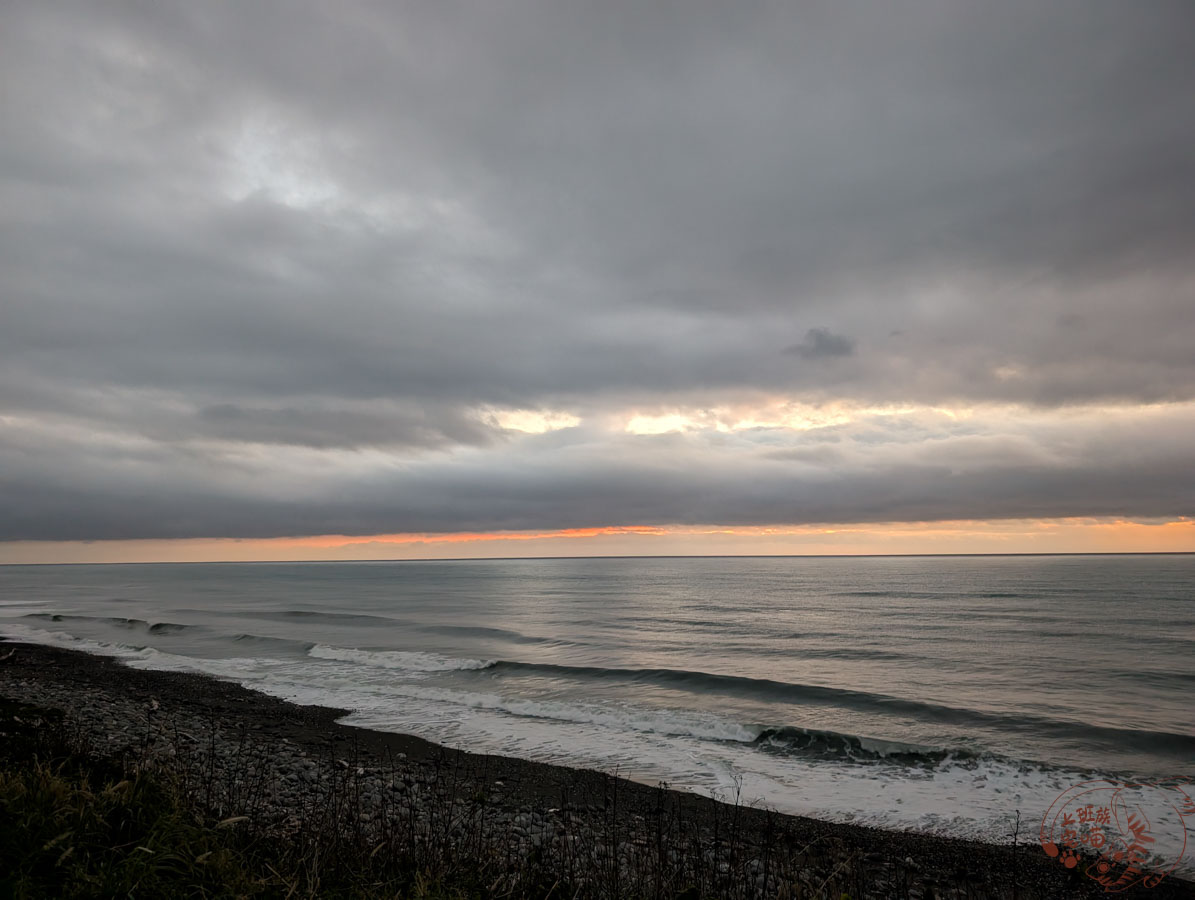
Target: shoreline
pixel 118 710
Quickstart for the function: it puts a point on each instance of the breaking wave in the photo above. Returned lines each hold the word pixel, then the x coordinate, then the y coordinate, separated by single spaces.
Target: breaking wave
pixel 405 660
pixel 116 621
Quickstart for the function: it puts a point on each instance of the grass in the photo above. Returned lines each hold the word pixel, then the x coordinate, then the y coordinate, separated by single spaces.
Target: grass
pixel 194 823
pixel 74 825
pixel 70 831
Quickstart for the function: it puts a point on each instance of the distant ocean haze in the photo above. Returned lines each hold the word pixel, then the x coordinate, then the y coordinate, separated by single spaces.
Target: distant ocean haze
pixel 934 693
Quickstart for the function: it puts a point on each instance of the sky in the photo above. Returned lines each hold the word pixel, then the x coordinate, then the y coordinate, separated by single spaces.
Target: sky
pixel 312 280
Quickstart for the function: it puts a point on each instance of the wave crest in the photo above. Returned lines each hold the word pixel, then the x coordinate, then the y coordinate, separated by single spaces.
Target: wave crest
pixel 403 660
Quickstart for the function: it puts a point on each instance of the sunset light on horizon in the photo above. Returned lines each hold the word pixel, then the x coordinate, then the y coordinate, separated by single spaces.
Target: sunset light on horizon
pixel 906 538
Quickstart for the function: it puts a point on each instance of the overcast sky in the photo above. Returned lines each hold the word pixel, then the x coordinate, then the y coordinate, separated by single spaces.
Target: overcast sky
pixel 280 269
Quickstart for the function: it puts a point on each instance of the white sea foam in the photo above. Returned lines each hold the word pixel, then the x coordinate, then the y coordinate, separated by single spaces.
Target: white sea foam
pixel 405 660
pixel 689 749
pixel 15 631
pixel 619 717
pixel 234 668
pixel 716 758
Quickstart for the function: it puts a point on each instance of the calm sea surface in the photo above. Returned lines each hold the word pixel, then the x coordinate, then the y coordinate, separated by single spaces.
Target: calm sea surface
pixel 933 693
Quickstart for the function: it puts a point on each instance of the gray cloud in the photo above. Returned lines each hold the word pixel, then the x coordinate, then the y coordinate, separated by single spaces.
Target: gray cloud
pixel 819 343
pixel 232 233
pixel 880 468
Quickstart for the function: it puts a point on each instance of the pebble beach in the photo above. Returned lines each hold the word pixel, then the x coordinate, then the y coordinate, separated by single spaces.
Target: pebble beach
pixel 278 764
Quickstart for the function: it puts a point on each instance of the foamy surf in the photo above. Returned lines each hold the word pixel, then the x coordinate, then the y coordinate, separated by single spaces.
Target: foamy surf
pixel 402 660
pixel 897 694
pixel 14 631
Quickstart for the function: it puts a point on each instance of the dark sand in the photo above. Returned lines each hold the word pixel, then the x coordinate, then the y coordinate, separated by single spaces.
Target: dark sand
pixel 97 693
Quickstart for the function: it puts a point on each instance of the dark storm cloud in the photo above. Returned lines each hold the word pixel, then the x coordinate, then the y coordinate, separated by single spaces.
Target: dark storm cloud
pixel 234 233
pixel 322 428
pixel 875 470
pixel 820 344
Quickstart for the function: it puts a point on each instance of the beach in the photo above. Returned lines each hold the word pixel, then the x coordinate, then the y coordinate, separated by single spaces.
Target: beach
pixel 938 696
pixel 566 817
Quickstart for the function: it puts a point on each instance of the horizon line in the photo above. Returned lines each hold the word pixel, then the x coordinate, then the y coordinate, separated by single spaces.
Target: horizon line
pixel 239 562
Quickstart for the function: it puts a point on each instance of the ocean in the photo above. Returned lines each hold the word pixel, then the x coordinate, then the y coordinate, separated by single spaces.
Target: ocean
pixel 938 694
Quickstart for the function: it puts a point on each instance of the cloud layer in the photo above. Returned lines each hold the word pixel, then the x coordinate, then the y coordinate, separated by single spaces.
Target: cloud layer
pixel 358 268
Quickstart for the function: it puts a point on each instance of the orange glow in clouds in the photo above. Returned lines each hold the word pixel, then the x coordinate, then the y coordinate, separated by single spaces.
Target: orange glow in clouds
pixel 1074 535
pixel 467 537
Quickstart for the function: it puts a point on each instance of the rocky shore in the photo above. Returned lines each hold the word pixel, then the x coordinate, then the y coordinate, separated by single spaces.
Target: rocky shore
pixel 288 768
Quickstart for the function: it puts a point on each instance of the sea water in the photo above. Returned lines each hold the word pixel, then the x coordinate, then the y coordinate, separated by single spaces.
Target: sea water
pixel 941 694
